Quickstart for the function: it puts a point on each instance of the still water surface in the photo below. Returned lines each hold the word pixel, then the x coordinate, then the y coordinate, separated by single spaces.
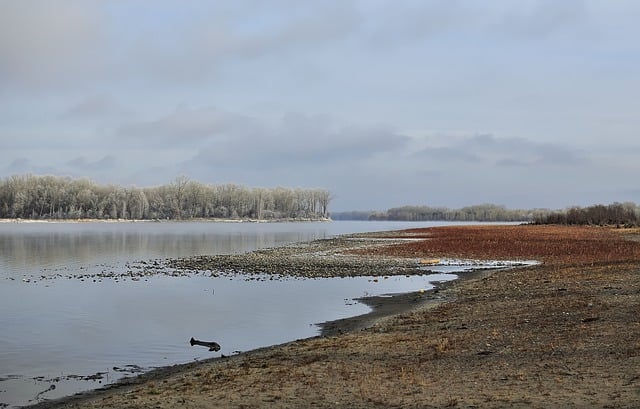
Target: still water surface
pixel 63 335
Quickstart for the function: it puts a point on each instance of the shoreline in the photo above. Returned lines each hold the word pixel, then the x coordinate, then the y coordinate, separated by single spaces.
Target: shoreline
pixel 196 220
pixel 563 333
pixel 382 307
pixel 385 306
pixel 302 257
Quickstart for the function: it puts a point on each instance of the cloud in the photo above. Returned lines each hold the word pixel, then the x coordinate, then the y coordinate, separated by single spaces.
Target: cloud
pixel 299 140
pixel 23 165
pixel 402 23
pixel 81 163
pixel 487 150
pixel 75 43
pixel 551 154
pixel 46 42
pixel 199 48
pixel 96 107
pixel 18 165
pixel 186 124
pixel 229 138
pixel 543 18
pixel 449 154
pixel 520 151
pixel 89 87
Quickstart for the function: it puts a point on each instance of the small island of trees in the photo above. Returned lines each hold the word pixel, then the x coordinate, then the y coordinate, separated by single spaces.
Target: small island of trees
pixel 60 198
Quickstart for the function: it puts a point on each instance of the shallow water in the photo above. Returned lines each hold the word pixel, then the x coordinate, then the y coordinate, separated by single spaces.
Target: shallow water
pixel 63 335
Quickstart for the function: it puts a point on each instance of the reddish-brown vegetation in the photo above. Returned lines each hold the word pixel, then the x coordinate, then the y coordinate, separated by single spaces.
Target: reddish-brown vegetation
pixel 557 244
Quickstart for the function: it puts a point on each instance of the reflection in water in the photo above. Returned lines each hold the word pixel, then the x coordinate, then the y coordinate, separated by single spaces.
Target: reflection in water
pixel 35 246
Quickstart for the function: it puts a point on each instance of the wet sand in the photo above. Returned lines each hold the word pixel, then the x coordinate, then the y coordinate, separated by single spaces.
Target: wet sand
pixel 565 333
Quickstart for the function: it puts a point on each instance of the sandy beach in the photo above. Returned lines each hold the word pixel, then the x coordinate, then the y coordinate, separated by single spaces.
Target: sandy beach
pixel 564 333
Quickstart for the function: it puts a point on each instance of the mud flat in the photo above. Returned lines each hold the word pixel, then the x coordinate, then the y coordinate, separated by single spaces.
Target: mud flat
pixel 563 333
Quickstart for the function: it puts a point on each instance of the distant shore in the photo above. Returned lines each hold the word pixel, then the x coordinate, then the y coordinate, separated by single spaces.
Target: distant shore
pixel 199 220
pixel 564 333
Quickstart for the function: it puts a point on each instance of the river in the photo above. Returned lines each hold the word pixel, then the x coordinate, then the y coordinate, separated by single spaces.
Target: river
pixel 62 333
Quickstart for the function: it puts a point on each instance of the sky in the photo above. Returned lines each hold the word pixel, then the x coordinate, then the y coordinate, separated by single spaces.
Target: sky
pixel 527 104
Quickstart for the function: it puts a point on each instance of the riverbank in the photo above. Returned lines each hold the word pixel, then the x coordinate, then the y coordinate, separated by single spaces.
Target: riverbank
pixel 565 333
pixel 193 219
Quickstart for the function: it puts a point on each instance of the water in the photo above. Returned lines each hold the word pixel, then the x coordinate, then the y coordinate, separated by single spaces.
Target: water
pixel 62 335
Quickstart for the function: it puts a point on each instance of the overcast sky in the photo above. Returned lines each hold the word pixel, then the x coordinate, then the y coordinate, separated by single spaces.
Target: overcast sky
pixel 385 103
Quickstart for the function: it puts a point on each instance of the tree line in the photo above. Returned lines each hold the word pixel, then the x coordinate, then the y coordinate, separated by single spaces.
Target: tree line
pixel 54 197
pixel 483 212
pixel 619 214
pixel 615 214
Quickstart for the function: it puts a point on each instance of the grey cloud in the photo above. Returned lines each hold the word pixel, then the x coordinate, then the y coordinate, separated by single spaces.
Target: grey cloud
pixel 625 149
pixel 24 165
pixel 199 48
pixel 512 163
pixel 509 152
pixel 45 42
pixel 488 142
pixel 519 151
pixel 80 42
pixel 396 23
pixel 224 137
pixel 62 43
pixel 83 164
pixel 448 154
pixel 544 18
pixel 18 165
pixel 307 137
pixel 558 155
pixel 96 107
pixel 405 22
pixel 417 64
pixel 299 140
pixel 323 23
pixel 185 124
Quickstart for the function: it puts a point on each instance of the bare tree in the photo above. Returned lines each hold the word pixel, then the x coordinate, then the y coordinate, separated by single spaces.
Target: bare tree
pixel 55 197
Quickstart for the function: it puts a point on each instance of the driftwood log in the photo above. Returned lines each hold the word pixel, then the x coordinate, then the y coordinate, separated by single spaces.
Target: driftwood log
pixel 213 346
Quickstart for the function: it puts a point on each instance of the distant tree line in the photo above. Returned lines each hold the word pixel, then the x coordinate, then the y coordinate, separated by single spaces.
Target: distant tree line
pixel 617 214
pixel 53 197
pixel 483 212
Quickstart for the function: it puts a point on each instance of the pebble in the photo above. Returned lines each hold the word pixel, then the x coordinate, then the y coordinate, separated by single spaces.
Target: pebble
pixel 317 259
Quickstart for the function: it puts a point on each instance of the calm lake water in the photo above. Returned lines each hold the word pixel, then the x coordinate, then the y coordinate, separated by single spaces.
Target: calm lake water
pixel 63 335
